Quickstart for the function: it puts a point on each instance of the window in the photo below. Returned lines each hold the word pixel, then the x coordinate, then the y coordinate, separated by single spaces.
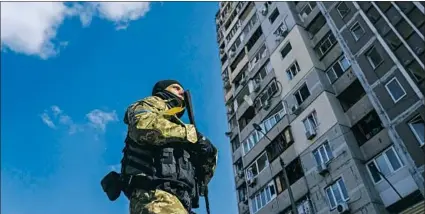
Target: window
pixel 268 93
pixel 263 71
pixel 323 153
pixel 302 94
pixel 257 167
pixel 392 40
pixel 386 163
pixel 235 144
pixel 343 9
pixel 393 15
pixel 326 44
pixel 367 127
pixel 281 31
pixel 306 10
pixel 263 197
pixel 286 50
pixel 417 125
pixel 395 90
pixel 357 31
pixel 336 193
pixel 404 29
pixel 293 70
pixel 417 17
pixel 238 167
pixel 373 15
pixel 416 70
pixel 374 58
pixel 279 144
pixel 256 136
pixel 310 123
pixel 233 30
pixel 274 15
pixel 337 69
pixel 242 193
pixel 261 53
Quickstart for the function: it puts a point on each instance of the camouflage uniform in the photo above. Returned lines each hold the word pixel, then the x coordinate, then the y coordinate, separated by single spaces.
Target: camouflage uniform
pixel 151 122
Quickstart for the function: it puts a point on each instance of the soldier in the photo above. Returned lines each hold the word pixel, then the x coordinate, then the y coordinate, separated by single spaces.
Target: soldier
pixel 162 152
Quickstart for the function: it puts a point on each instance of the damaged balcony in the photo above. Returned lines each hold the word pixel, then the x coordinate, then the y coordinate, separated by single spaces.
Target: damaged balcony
pixel 355 102
pixel 248 115
pixel 369 126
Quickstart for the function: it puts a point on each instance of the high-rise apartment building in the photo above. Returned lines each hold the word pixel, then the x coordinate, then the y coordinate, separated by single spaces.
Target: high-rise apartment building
pixel 336 89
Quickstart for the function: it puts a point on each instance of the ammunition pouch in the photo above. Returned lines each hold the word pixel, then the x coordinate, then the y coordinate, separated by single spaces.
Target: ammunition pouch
pixel 112 185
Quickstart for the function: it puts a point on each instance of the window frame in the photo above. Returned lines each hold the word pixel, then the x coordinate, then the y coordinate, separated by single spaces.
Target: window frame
pixel 357 25
pixel 417 117
pixel 368 52
pixel 331 68
pixel 304 7
pixel 289 73
pixel 323 145
pixel 387 162
pixel 336 182
pixel 288 44
pixel 298 92
pixel 389 91
pixel 326 38
pixel 266 190
pixel 339 11
pixel 313 114
pixel 255 162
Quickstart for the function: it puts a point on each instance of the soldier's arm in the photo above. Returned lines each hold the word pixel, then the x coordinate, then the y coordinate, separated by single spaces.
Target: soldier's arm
pixel 209 163
pixel 147 123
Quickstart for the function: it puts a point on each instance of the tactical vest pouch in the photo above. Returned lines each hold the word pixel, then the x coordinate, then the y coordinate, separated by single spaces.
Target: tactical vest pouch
pixel 168 164
pixel 112 186
pixel 186 172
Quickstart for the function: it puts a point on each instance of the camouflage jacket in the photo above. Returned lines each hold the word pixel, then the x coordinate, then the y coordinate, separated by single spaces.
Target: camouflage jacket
pixel 151 121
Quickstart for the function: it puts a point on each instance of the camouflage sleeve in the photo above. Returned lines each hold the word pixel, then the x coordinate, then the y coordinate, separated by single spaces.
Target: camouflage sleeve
pixel 148 123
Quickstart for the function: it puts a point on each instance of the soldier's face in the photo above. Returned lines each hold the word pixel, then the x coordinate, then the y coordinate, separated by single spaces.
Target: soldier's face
pixel 176 90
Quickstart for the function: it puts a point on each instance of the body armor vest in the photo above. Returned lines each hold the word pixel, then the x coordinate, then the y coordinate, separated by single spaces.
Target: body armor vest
pixel 164 167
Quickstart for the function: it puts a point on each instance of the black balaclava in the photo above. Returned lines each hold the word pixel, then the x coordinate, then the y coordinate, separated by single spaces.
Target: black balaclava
pixel 172 100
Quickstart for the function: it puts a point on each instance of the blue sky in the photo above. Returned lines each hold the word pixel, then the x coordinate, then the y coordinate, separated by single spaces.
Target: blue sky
pixel 68 72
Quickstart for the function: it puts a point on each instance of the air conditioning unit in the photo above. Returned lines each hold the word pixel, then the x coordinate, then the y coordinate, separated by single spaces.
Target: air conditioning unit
pixel 251 182
pixel 296 109
pixel 322 168
pixel 266 105
pixel 342 207
pixel 310 134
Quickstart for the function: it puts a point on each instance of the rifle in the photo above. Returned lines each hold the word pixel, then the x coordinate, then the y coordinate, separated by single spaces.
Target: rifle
pixel 201 189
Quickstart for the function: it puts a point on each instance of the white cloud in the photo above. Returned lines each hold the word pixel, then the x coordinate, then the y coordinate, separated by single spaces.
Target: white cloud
pixel 30 27
pixel 99 119
pixel 47 120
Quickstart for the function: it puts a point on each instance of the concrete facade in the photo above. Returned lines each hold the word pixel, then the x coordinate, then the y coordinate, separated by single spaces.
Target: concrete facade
pixel 337 98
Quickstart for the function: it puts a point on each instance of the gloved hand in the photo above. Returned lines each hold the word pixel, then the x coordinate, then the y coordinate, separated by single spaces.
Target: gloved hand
pixel 204 145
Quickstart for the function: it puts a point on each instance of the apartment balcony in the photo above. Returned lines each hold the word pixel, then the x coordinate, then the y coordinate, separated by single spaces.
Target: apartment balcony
pixel 282 201
pixel 238 65
pixel 376 144
pixel 264 142
pixel 315 39
pixel 307 11
pixel 344 81
pixel 359 110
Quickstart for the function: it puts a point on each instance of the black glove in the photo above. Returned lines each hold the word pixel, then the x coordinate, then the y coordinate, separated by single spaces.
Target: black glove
pixel 204 145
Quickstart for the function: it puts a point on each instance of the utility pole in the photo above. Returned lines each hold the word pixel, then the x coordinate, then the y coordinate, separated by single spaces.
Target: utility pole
pixel 285 176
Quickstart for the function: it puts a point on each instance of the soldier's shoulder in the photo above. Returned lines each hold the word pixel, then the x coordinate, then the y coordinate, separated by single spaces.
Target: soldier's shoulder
pixel 153 101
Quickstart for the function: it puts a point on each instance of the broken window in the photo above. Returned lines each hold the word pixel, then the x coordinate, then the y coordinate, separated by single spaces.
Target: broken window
pixel 246 117
pixel 294 170
pixel 279 144
pixel 302 94
pixel 351 95
pixel 367 127
pixel 293 70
